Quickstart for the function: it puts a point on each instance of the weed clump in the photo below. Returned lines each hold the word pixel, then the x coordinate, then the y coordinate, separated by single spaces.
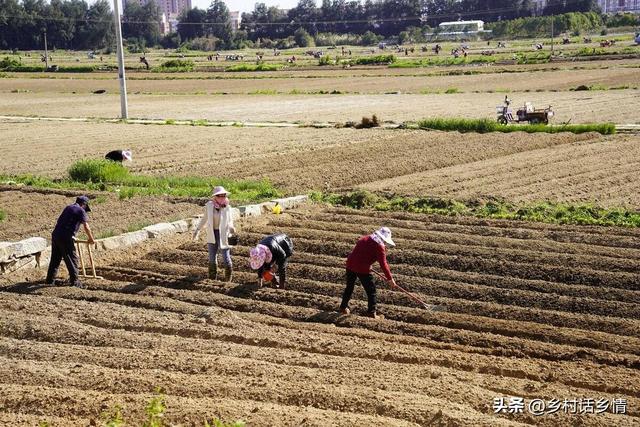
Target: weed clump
pixel 367 123
pixel 97 170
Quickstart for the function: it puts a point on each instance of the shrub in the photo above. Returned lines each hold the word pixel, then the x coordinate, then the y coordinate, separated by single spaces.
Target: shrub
pixel 8 63
pixel 98 170
pixel 253 67
pixel 325 60
pixel 176 65
pixel 375 60
pixel 303 38
pixel 370 38
pixel 366 122
pixel 206 44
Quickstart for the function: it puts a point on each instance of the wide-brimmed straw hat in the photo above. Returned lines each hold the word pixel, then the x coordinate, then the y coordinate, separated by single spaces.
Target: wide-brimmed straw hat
pixel 219 190
pixel 385 234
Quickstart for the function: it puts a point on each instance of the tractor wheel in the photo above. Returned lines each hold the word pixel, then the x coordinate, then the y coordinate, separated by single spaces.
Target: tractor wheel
pixel 534 121
pixel 502 120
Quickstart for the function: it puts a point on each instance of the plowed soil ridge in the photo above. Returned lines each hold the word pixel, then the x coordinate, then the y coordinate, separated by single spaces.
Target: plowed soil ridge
pixel 516 309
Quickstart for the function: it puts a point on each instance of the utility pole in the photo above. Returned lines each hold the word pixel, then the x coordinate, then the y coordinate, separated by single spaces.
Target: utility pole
pixel 552 16
pixel 46 53
pixel 124 108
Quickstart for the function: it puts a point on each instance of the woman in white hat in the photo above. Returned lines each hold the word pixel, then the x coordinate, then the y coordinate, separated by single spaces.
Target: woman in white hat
pixel 219 225
pixel 368 250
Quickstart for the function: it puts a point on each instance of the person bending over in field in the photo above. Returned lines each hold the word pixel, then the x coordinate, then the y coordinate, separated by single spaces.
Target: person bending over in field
pixel 274 250
pixel 368 250
pixel 119 155
pixel 62 240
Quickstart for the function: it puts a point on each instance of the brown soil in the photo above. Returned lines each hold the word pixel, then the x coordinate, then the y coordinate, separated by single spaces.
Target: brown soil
pixel 531 310
pixel 415 82
pixel 617 106
pixel 293 159
pixel 35 213
pixel 603 171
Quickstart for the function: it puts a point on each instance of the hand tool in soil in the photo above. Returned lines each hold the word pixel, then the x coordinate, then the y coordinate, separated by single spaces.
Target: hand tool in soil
pixel 412 296
pixel 91 263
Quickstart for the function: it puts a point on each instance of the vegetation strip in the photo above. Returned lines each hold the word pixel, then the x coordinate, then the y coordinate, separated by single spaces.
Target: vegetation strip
pixel 488 125
pixel 105 175
pixel 443 124
pixel 548 212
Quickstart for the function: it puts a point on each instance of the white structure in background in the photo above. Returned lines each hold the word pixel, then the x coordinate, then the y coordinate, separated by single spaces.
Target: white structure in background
pixel 235 18
pixel 615 6
pixel 461 28
pixel 170 10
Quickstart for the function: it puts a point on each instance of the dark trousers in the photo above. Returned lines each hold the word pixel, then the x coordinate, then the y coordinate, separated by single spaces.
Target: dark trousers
pixel 368 285
pixel 63 249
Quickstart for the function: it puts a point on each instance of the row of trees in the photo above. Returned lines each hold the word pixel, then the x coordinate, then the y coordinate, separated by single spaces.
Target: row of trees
pixel 73 24
pixel 390 17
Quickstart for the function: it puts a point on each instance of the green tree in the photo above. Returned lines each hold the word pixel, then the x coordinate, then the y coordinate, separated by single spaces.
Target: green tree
pixel 98 30
pixel 141 22
pixel 191 24
pixel 303 38
pixel 218 24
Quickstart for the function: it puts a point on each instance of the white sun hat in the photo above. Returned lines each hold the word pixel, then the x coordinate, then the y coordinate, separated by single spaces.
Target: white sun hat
pixel 385 234
pixel 219 190
pixel 127 155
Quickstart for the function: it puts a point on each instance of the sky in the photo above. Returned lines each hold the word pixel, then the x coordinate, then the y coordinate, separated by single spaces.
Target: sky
pixel 247 5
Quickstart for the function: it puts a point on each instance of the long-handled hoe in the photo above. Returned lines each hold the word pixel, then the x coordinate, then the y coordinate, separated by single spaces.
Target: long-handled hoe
pixel 91 264
pixel 430 307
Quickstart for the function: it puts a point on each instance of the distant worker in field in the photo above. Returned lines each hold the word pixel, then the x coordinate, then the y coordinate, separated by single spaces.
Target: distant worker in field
pixel 218 221
pixel 274 250
pixel 119 155
pixel 368 250
pixel 62 240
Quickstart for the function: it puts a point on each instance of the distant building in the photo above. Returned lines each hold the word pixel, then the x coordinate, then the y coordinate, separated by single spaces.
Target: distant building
pixel 234 19
pixel 606 6
pixel 170 7
pixel 615 6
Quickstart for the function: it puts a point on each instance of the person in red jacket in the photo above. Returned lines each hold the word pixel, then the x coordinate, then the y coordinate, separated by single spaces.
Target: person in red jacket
pixel 368 250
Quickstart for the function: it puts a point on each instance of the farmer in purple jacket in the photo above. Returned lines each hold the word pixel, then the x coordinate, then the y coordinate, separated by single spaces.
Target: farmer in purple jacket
pixel 62 244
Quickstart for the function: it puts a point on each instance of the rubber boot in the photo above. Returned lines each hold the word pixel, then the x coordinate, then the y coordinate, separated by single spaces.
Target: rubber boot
pixel 228 272
pixel 213 270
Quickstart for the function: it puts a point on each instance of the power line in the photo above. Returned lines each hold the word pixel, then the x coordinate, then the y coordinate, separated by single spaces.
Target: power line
pixel 370 20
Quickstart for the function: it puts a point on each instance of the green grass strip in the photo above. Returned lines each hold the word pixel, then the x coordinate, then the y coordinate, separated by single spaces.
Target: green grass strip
pixel 548 212
pixel 104 175
pixel 3 215
pixel 488 125
pixel 253 67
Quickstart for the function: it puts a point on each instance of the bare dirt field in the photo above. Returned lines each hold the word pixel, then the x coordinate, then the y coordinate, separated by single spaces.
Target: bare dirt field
pixel 35 213
pixel 416 82
pixel 519 167
pixel 295 159
pixel 532 310
pixel 601 170
pixel 617 106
